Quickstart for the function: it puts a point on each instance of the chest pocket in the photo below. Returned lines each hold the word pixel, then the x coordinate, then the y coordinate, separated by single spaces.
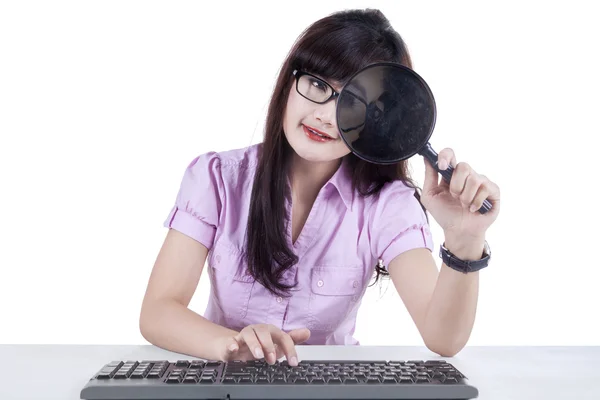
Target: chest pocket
pixel 231 284
pixel 334 292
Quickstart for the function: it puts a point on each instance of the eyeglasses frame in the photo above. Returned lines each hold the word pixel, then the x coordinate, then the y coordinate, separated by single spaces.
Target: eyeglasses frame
pixel 298 74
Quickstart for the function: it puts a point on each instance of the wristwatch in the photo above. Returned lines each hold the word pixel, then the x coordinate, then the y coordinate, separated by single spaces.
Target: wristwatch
pixel 465 266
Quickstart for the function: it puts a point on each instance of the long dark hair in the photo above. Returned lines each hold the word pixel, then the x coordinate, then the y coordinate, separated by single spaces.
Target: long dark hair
pixel 334 47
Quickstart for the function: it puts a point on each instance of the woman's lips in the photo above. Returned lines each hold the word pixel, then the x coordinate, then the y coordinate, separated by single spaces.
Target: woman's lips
pixel 316 134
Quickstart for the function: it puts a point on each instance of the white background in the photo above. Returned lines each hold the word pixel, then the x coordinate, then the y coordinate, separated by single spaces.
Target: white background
pixel 103 105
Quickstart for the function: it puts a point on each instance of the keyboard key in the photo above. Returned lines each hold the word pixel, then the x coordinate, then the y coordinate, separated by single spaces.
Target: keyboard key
pixel 396 363
pixel 174 379
pixel 190 379
pixel 212 364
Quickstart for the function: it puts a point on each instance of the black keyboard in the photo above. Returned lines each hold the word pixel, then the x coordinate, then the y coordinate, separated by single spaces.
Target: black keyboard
pixel 199 379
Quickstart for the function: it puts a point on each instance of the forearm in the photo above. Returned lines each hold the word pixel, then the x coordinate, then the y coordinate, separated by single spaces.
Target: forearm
pixel 174 327
pixel 451 311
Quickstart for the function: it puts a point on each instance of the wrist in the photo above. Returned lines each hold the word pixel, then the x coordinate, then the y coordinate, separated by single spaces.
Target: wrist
pixel 222 346
pixel 465 248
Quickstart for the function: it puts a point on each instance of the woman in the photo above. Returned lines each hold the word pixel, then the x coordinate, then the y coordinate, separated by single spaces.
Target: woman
pixel 294 228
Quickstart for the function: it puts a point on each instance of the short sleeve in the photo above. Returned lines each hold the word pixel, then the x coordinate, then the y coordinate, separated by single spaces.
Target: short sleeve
pixel 397 223
pixel 199 201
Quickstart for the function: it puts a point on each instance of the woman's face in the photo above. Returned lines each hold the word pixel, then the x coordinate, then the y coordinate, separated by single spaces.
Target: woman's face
pixel 304 120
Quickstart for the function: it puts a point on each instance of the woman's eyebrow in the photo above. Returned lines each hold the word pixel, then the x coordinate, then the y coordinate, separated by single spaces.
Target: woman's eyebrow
pixel 335 84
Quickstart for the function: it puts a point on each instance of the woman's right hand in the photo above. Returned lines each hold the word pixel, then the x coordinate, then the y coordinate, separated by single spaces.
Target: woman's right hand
pixel 264 341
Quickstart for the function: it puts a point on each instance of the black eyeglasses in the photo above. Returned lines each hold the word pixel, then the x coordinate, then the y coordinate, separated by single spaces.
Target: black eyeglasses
pixel 313 88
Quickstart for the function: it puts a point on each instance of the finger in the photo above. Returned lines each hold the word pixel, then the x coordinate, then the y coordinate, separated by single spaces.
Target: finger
pixel 231 345
pixel 459 178
pixel 431 178
pixel 248 336
pixel 299 335
pixel 263 333
pixel 287 346
pixel 446 157
pixel 487 191
pixel 480 196
pixel 230 349
pixel 282 354
pixel 472 185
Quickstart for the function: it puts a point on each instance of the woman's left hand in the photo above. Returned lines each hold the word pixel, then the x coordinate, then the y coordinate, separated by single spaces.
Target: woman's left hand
pixel 455 206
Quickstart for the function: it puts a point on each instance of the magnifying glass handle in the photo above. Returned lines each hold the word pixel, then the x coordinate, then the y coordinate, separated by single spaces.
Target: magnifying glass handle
pixel 432 157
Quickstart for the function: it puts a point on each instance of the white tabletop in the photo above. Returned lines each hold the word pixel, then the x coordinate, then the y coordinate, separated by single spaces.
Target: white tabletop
pixel 61 371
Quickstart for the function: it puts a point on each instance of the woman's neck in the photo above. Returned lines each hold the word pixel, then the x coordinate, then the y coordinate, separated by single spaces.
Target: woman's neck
pixel 308 177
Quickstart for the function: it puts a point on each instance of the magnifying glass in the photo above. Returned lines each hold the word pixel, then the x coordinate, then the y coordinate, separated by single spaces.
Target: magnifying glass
pixel 386 113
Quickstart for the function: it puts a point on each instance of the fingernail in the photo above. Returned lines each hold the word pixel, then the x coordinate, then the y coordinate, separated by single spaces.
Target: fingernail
pixel 294 361
pixel 259 352
pixel 442 165
pixel 473 208
pixel 233 347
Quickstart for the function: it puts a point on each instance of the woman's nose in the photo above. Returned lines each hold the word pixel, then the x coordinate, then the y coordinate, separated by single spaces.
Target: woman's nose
pixel 325 113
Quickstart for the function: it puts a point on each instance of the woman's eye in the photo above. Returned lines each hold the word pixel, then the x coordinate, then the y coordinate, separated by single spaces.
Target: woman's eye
pixel 319 85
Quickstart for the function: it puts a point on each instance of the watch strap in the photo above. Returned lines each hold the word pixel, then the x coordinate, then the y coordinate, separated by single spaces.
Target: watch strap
pixel 465 266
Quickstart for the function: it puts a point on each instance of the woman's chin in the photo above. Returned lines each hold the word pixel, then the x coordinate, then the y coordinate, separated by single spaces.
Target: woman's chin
pixel 314 155
pixel 313 151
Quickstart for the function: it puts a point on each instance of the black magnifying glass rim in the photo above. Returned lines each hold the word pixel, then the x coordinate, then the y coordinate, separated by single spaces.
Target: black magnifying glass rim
pixel 414 75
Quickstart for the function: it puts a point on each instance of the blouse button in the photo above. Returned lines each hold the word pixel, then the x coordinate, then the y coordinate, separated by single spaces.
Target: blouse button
pixel 320 283
pixel 218 258
pixel 279 299
pixel 355 284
